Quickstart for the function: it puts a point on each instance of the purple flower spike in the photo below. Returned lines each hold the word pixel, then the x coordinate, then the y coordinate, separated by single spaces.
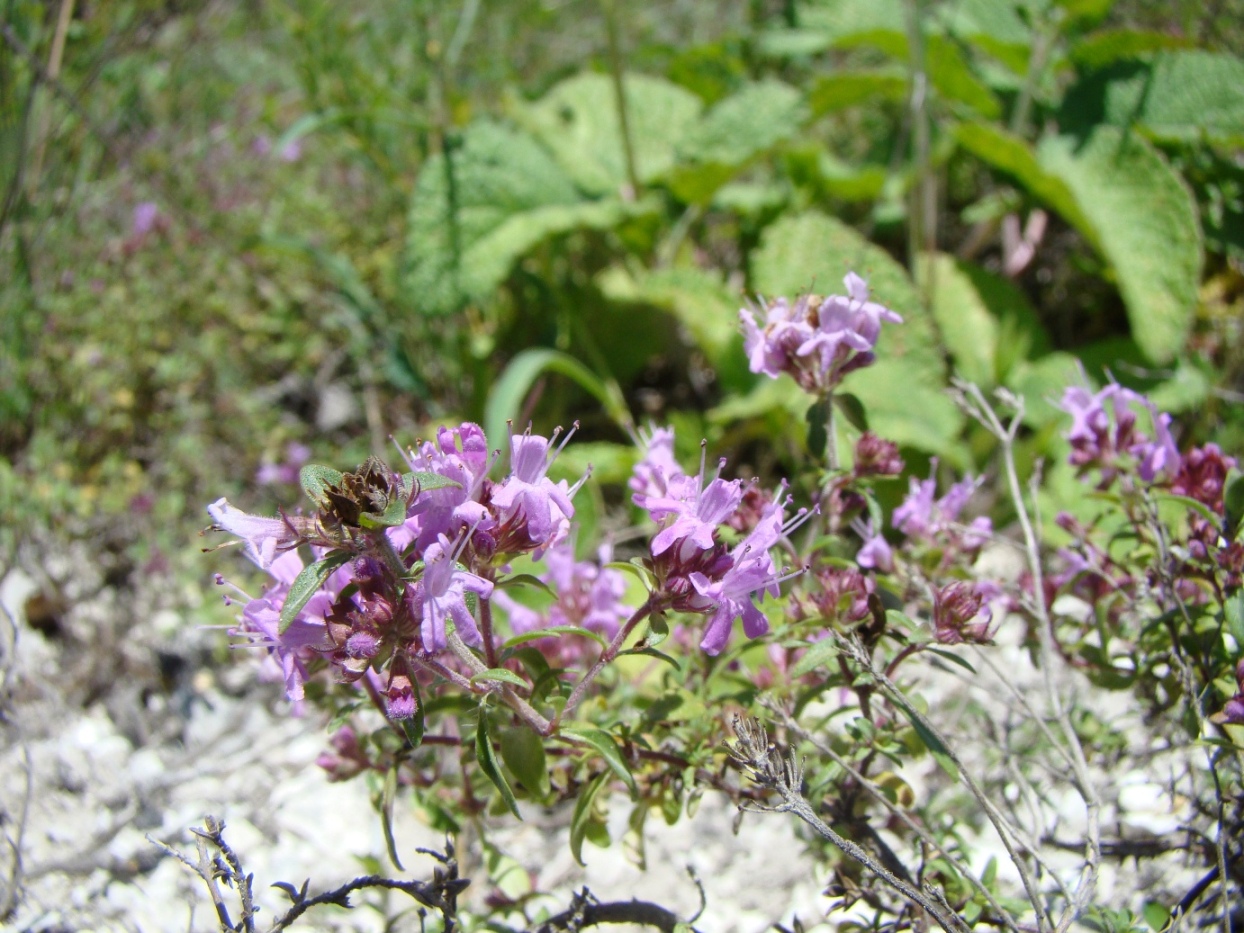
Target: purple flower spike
pixel 818 341
pixel 444 587
pixel 532 511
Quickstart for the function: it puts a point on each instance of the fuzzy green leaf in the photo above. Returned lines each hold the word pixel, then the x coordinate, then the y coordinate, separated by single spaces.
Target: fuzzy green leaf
pixel 316 479
pixel 603 742
pixel 487 759
pixel 305 585
pixel 523 753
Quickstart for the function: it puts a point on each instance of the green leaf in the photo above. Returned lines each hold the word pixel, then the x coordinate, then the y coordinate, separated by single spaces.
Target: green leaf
pixel 523 580
pixel 1156 915
pixel 990 872
pixel 952 658
pixel 698 299
pixel 1233 615
pixel 475 210
pixel 578 121
pixel 818 436
pixel 388 795
pixel 932 743
pixel 603 743
pixel 523 753
pixel 583 815
pixel 552 632
pixel 429 481
pixel 487 759
pixel 817 655
pixel 653 653
pixel 316 479
pixel 1129 204
pixel 852 409
pixel 1183 95
pixel 842 89
pixel 509 392
pixel 1142 219
pixel 749 122
pixel 1233 506
pixel 1107 46
pixel 305 585
pixel 986 322
pixel 500 675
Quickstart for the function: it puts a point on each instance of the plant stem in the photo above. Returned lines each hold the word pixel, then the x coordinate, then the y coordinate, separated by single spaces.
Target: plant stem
pixel 605 658
pixel 619 93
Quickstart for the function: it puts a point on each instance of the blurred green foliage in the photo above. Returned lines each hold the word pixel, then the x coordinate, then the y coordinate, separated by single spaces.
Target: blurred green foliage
pixel 372 216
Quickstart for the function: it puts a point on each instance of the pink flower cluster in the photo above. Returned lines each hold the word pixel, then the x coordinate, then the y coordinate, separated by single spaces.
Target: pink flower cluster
pixel 695 570
pixel 817 340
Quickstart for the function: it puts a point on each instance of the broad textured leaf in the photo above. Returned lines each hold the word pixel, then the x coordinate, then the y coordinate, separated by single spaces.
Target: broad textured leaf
pixel 1182 95
pixel 1143 220
pixel 578 121
pixel 903 390
pixel 487 759
pixel 474 214
pixel 745 124
pixel 1106 46
pixel 523 753
pixel 986 322
pixel 603 742
pixel 842 89
pixel 305 585
pixel 1041 383
pixel 1132 208
pixel 991 25
pixel 846 20
pixel 952 75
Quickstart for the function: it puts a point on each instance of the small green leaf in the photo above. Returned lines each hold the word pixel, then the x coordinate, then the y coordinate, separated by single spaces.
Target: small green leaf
pixel 386 815
pixel 852 409
pixel 815 657
pixel 1233 505
pixel 516 580
pixel 952 658
pixel 653 653
pixel 551 632
pixel 523 753
pixel 583 815
pixel 818 437
pixel 428 481
pixel 636 569
pixel 1233 614
pixel 305 585
pixel 603 742
pixel 500 674
pixel 316 479
pixel 1156 915
pixel 487 759
pixel 393 515
pixel 658 631
pixel 990 872
pixel 932 743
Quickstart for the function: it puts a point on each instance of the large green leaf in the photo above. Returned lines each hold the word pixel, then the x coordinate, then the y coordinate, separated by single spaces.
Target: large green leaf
pixel 748 122
pixel 903 391
pixel 849 20
pixel 1106 46
pixel 1181 95
pixel 841 89
pixel 1132 208
pixel 474 214
pixel 578 121
pixel 986 322
pixel 700 301
pixel 1143 220
pixel 992 25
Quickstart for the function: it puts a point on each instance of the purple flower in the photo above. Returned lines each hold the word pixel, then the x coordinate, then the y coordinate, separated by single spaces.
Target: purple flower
pixel 271 474
pixel 459 454
pixel 263 536
pixel 287 652
pixel 1107 436
pixel 695 525
pixel 875 554
pixel 818 341
pixel 533 512
pixel 651 477
pixel 922 516
pixel 961 613
pixel 443 587
pixel 145 216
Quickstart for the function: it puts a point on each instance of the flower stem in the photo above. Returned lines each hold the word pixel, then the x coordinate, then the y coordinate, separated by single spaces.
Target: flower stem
pixel 605 658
